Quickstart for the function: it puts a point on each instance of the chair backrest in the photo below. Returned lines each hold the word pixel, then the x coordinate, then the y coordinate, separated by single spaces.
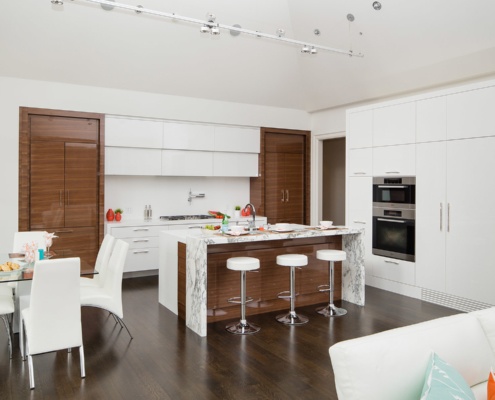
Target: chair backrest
pixel 55 306
pixel 112 286
pixel 104 256
pixel 21 238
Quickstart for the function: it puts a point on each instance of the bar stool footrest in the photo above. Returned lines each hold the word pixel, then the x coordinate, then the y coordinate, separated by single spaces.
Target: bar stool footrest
pixel 238 300
pixel 324 288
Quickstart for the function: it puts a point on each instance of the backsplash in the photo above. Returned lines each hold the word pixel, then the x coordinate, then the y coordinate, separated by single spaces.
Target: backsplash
pixel 168 195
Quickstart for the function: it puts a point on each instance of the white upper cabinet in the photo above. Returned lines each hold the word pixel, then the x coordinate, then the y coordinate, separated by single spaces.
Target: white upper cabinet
pixel 183 136
pixel 237 139
pixel 235 164
pixel 394 160
pixel 394 124
pixel 360 129
pixel 431 119
pixel 187 163
pixel 132 161
pixel 128 132
pixel 471 114
pixel 360 162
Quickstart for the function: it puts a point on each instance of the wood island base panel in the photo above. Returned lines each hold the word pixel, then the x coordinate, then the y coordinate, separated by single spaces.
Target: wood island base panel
pixel 204 284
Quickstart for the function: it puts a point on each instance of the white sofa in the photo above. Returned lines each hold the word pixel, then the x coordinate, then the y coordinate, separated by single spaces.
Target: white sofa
pixel 391 365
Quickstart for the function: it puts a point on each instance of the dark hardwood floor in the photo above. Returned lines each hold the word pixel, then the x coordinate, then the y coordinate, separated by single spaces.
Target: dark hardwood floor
pixel 168 361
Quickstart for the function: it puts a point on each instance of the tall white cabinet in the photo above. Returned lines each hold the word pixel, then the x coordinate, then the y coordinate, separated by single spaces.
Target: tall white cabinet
pixel 447 140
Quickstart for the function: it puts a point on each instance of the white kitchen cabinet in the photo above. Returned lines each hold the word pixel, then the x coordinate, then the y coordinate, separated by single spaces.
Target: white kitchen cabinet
pixel 431 119
pixel 187 163
pixel 235 164
pixel 237 139
pixel 394 160
pixel 394 270
pixel 470 228
pixel 431 215
pixel 360 129
pixel 359 213
pixel 186 136
pixel 470 114
pixel 395 124
pixel 360 162
pixel 129 132
pixel 132 161
pixel 143 245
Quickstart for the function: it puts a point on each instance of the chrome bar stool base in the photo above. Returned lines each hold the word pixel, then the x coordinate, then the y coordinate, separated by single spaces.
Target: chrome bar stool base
pixel 292 319
pixel 242 328
pixel 331 311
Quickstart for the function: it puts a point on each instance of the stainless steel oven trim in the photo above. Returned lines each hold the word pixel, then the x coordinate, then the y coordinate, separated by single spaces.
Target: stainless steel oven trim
pixel 392 254
pixel 405 180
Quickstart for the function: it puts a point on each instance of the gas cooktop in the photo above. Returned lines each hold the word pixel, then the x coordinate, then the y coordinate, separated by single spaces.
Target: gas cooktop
pixel 185 217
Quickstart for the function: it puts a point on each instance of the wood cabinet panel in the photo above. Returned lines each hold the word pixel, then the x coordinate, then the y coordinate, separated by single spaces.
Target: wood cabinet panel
pixel 50 128
pixel 76 242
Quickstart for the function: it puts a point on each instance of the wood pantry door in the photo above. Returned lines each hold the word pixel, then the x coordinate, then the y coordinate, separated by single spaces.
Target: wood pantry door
pixel 60 187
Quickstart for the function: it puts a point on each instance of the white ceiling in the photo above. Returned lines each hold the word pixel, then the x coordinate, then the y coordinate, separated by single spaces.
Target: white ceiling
pixel 408 45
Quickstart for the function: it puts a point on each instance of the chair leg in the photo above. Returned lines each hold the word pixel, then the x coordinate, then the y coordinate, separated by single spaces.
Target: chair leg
pixel 31 371
pixel 7 327
pixel 21 339
pixel 122 323
pixel 81 357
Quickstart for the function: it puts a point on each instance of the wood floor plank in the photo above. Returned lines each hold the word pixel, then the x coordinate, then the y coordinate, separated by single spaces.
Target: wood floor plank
pixel 166 360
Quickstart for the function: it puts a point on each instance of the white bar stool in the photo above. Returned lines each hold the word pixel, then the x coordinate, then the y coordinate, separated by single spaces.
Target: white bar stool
pixel 330 255
pixel 293 261
pixel 242 264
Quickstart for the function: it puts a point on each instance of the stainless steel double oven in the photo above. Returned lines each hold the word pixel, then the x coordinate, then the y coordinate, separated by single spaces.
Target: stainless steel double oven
pixel 394 215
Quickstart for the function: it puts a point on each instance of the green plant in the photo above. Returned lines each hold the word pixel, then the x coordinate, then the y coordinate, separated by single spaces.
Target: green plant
pixel 238 208
pixel 119 210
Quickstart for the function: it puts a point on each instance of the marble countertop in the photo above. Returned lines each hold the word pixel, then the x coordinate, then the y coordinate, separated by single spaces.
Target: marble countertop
pixel 297 231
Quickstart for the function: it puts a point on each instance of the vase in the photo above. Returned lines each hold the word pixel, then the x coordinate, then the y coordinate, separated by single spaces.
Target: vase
pixel 118 217
pixel 110 215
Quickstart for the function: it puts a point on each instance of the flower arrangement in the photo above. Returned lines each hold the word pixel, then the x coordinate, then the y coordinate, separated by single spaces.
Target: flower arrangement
pixel 30 249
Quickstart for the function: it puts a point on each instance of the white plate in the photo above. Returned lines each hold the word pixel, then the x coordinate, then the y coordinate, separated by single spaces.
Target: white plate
pixel 282 230
pixel 237 233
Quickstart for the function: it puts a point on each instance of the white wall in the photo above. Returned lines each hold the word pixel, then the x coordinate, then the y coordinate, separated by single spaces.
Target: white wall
pixel 15 93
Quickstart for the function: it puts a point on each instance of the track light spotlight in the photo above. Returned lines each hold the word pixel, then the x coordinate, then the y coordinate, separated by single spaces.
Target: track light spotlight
pixel 313 51
pixel 305 49
pixel 215 30
pixel 58 2
pixel 205 29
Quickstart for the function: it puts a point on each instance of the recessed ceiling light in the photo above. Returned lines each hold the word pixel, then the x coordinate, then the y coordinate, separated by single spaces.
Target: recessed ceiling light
pixel 350 17
pixel 317 32
pixel 377 5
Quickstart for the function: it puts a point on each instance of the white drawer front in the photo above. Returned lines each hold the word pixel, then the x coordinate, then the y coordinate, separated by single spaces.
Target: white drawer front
pixel 394 270
pixel 136 231
pixel 142 242
pixel 141 259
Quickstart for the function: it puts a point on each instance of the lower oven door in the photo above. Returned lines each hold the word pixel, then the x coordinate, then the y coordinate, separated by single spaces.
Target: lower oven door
pixel 394 238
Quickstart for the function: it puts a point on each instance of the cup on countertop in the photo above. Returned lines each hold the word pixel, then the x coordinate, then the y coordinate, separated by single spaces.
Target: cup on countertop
pixel 326 224
pixel 237 228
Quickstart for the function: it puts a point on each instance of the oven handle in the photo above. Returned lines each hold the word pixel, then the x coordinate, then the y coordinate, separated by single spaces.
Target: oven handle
pixel 391 220
pixel 392 186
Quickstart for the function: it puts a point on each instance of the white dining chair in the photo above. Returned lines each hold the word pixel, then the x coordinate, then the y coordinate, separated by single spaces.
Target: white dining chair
pixel 21 238
pixel 101 264
pixel 109 295
pixel 6 309
pixel 53 320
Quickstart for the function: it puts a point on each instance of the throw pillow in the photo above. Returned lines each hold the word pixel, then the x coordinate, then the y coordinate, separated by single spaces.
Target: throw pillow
pixel 443 382
pixel 491 386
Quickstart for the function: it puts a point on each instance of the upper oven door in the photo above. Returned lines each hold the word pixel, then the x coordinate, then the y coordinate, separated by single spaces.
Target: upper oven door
pixel 393 192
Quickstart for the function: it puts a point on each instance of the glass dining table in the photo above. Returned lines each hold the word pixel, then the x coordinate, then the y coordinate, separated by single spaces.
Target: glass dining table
pixel 22 276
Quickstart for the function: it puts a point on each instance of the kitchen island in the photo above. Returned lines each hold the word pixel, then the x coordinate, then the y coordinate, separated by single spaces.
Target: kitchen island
pixel 195 283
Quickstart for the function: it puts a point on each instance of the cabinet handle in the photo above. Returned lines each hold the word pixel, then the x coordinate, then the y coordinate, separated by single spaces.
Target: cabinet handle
pixel 392 172
pixel 140 251
pixel 194 227
pixel 60 198
pixel 391 262
pixel 68 197
pixel 283 198
pixel 287 196
pixel 140 240
pixel 360 222
pixel 65 231
pixel 359 173
pixel 441 217
pixel 140 229
pixel 448 217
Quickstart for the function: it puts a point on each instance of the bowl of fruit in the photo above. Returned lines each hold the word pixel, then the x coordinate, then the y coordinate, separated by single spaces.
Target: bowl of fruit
pixel 210 229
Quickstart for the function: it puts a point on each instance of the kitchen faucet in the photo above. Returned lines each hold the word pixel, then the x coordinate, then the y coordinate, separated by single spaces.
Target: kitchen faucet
pixel 252 224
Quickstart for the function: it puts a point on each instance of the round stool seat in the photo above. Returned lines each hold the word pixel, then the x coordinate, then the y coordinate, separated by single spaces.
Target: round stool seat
pixel 243 263
pixel 292 260
pixel 331 255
